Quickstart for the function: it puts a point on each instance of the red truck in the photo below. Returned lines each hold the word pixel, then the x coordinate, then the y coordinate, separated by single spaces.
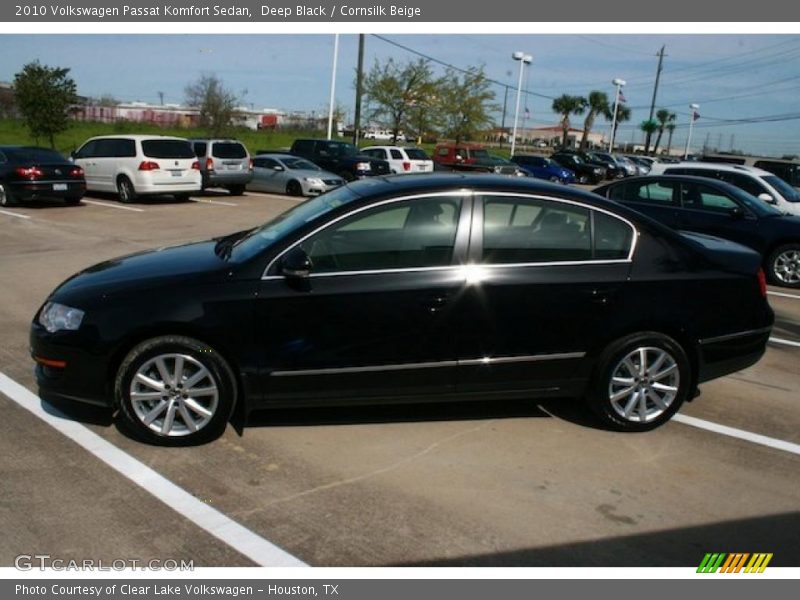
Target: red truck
pixel 471 157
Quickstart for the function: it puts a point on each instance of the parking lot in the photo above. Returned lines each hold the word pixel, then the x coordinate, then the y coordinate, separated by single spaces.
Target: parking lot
pixel 491 483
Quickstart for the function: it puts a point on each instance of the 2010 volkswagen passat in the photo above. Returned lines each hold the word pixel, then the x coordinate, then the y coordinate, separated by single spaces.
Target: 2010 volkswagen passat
pixel 408 288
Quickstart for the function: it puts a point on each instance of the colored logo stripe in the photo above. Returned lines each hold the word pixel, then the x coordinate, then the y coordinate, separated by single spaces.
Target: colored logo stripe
pixel 734 563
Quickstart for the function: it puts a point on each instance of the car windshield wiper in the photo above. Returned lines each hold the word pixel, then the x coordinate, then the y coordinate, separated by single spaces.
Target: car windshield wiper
pixel 225 244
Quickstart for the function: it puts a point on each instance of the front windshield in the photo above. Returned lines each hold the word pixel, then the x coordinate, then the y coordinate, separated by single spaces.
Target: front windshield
pixel 789 193
pixel 299 164
pixel 284 224
pixel 341 149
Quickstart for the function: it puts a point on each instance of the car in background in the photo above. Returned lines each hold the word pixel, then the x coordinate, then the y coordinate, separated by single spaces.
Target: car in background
pixel 342 158
pixel 624 167
pixel 762 184
pixel 223 163
pixel 632 167
pixel 645 163
pixel 401 159
pixel 543 168
pixel 470 157
pixel 584 172
pixel 289 174
pixel 610 167
pixel 139 165
pixel 30 173
pixel 786 169
pixel 713 207
pixel 434 287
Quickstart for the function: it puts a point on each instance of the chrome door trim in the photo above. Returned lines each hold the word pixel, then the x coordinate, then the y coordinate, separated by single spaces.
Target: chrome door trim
pixel 733 336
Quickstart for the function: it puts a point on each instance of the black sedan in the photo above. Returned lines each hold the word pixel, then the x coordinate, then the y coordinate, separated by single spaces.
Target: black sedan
pixel 584 172
pixel 402 289
pixel 717 208
pixel 29 173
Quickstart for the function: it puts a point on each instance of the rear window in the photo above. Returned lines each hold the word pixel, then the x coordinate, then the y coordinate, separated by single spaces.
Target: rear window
pixel 167 149
pixel 34 155
pixel 416 154
pixel 228 150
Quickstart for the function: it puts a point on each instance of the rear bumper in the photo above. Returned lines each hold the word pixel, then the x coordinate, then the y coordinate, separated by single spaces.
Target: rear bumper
pixel 727 354
pixel 223 178
pixel 41 191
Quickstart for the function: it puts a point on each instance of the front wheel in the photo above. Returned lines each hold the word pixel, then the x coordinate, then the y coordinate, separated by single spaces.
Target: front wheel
pixel 174 391
pixel 5 197
pixel 640 382
pixel 783 266
pixel 293 188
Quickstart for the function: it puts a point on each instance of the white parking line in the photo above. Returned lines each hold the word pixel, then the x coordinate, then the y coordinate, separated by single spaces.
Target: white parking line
pixel 785 342
pixel 206 201
pixel 741 434
pixel 783 295
pixel 13 214
pixel 109 205
pixel 238 537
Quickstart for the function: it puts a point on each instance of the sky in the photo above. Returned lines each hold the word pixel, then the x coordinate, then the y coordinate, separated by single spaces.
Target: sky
pixel 731 77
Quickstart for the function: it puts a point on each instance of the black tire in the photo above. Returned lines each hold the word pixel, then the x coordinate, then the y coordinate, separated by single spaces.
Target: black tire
pixel 236 190
pixel 194 357
pixel 125 189
pixel 583 179
pixel 181 197
pixel 6 199
pixel 783 266
pixel 72 201
pixel 293 188
pixel 612 362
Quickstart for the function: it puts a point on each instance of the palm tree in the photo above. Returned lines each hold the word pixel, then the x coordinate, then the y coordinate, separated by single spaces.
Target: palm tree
pixel 649 127
pixel 671 129
pixel 566 105
pixel 597 105
pixel 623 114
pixel 663 117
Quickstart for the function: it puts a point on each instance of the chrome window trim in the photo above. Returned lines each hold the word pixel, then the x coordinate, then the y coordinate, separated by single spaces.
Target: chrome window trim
pixel 733 336
pixel 431 365
pixel 461 193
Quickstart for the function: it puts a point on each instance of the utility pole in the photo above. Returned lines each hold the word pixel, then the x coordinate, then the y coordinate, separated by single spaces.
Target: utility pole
pixel 161 98
pixel 503 122
pixel 653 101
pixel 708 140
pixel 359 89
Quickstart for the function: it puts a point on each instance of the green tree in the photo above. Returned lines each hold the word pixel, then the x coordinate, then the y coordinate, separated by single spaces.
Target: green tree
pixel 649 126
pixel 663 118
pixel 670 126
pixel 597 105
pixel 566 105
pixel 217 104
pixel 466 102
pixel 396 90
pixel 623 115
pixel 44 97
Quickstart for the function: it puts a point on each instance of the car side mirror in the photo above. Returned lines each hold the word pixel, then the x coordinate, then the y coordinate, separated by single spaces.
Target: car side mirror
pixel 296 264
pixel 767 198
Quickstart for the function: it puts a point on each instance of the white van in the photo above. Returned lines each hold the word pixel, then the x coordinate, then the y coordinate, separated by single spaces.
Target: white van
pixel 401 159
pixel 138 165
pixel 762 184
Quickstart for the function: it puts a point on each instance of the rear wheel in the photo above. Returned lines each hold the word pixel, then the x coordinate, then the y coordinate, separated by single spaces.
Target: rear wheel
pixel 236 190
pixel 6 199
pixel 126 191
pixel 293 188
pixel 783 266
pixel 640 382
pixel 182 197
pixel 584 179
pixel 174 391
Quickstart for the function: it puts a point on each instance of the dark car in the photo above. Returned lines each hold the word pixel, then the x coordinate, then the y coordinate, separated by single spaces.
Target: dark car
pixel 721 209
pixel 28 173
pixel 585 172
pixel 543 168
pixel 342 158
pixel 402 289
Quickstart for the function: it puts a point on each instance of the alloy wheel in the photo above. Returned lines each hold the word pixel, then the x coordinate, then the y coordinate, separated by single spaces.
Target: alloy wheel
pixel 787 267
pixel 644 383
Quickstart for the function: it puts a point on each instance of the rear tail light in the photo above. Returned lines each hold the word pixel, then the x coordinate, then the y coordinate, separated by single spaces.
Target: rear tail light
pixel 762 283
pixel 76 172
pixel 251 164
pixel 196 165
pixel 148 165
pixel 209 164
pixel 29 172
pixel 406 166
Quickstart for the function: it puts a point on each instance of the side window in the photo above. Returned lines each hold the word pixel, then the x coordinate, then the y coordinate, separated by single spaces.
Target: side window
pixel 88 150
pixel 399 235
pixel 105 148
pixel 651 193
pixel 704 197
pixel 443 152
pixel 748 184
pixel 265 163
pixel 303 146
pixel 530 230
pixel 617 192
pixel 612 237
pixel 396 154
pixel 124 148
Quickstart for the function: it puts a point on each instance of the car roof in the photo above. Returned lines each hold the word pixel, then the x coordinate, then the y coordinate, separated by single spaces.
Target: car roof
pixel 136 136
pixel 226 140
pixel 691 164
pixel 723 185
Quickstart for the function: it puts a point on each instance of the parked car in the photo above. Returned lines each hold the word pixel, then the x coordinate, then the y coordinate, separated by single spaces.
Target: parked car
pixel 29 173
pixel 721 209
pixel 632 168
pixel 613 169
pixel 224 163
pixel 139 165
pixel 762 184
pixel 470 157
pixel 644 163
pixel 786 169
pixel 289 174
pixel 624 168
pixel 342 158
pixel 447 287
pixel 585 172
pixel 543 168
pixel 401 159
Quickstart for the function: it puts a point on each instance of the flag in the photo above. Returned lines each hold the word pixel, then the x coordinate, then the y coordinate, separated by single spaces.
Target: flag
pixel 622 97
pixel 695 115
pixel 527 113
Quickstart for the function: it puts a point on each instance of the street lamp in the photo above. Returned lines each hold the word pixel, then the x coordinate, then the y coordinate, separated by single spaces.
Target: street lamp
pixel 694 108
pixel 523 60
pixel 619 83
pixel 333 85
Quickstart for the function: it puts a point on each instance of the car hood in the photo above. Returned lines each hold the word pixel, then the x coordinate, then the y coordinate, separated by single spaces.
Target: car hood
pixel 145 271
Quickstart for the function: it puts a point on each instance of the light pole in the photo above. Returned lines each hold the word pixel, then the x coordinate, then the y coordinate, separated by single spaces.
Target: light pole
pixel 619 83
pixel 523 60
pixel 333 85
pixel 694 108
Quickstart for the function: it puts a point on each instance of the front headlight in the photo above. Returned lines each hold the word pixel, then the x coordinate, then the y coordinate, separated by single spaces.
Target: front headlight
pixel 314 181
pixel 57 317
pixel 363 166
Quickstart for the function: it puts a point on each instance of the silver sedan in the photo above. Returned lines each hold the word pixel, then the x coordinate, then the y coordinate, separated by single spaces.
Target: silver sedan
pixel 288 174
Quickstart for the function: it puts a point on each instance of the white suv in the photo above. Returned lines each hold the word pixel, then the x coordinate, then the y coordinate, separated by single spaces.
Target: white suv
pixel 764 185
pixel 401 159
pixel 137 165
